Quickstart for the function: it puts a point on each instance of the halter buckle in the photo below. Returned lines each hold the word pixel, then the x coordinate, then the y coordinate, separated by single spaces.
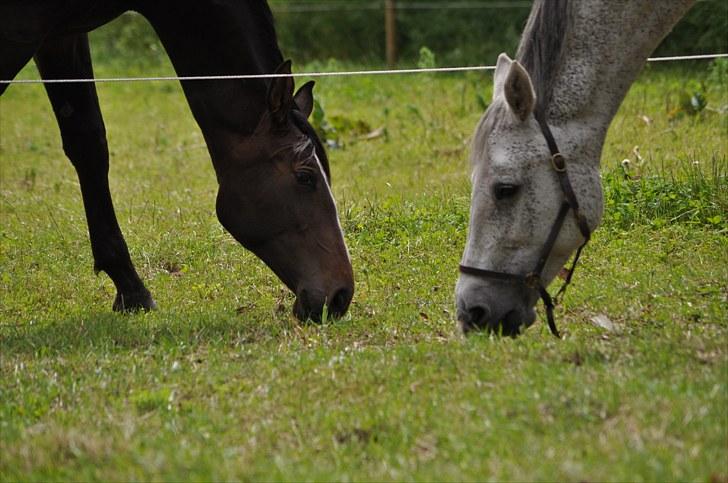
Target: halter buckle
pixel 558 161
pixel 533 280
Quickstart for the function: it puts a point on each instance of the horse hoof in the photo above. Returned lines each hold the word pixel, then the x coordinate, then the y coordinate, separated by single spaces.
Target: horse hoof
pixel 134 302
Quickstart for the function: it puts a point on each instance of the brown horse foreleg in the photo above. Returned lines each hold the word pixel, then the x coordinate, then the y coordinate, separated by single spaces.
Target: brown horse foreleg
pixel 13 57
pixel 76 107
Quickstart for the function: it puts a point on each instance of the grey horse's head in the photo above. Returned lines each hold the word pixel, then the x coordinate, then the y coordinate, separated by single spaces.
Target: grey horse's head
pixel 515 200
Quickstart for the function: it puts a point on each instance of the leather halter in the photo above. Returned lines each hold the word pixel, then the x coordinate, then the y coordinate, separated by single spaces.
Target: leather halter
pixel 534 279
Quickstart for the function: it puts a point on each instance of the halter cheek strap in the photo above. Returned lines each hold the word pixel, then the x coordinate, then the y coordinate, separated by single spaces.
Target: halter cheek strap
pixel 534 278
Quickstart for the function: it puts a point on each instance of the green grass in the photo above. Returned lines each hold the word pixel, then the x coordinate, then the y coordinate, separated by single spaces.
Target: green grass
pixel 223 383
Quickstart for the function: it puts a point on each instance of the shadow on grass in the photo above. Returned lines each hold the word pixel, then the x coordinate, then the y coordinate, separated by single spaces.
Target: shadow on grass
pixel 110 332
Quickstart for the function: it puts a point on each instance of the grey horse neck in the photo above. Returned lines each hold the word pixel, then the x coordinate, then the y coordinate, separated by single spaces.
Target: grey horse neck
pixel 583 55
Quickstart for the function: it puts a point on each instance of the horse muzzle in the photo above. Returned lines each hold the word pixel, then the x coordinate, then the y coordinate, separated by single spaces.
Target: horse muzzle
pixel 500 309
pixel 313 304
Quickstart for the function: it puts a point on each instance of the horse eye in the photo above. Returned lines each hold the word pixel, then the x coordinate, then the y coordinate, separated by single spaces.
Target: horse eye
pixel 306 178
pixel 503 190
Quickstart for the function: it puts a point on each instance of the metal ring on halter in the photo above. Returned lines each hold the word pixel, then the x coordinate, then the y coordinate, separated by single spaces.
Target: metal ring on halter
pixel 532 280
pixel 558 162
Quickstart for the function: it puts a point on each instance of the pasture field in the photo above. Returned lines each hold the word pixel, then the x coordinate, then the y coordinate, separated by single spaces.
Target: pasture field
pixel 223 383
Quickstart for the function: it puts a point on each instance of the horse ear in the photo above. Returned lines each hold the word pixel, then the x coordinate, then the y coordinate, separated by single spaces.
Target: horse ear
pixel 304 98
pixel 519 91
pixel 501 71
pixel 280 93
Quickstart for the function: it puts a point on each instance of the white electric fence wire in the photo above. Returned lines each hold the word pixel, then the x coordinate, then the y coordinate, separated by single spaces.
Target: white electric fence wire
pixel 350 73
pixel 339 7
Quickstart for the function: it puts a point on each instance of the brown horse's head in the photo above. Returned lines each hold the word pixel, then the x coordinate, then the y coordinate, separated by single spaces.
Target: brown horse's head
pixel 278 203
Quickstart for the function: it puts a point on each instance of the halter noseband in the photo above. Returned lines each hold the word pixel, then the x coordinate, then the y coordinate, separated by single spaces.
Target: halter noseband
pixel 534 279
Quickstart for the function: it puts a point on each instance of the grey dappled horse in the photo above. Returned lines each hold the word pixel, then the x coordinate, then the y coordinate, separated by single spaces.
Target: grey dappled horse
pixel 536 188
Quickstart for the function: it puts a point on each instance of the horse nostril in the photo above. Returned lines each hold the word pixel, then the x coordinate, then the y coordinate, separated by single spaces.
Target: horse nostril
pixel 340 302
pixel 473 319
pixel 302 306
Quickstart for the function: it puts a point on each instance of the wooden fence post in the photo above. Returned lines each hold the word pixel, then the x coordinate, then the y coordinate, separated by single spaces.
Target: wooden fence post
pixel 390 28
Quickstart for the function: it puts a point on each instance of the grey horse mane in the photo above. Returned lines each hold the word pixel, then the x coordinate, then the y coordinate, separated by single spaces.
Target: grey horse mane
pixel 541 47
pixel 540 52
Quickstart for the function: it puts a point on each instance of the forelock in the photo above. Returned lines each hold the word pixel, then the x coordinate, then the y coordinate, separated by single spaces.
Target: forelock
pixel 492 121
pixel 310 134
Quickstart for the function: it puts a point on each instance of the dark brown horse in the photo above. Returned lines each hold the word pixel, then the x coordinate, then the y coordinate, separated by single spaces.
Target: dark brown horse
pixel 274 195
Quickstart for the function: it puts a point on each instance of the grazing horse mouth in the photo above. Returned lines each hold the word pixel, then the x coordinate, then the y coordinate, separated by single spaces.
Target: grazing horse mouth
pixel 512 324
pixel 307 307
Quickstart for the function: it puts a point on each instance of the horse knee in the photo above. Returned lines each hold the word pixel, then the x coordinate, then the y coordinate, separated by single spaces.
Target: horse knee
pixel 87 148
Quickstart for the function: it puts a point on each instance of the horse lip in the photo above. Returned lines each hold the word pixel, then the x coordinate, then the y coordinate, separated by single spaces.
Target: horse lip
pixel 518 322
pixel 467 327
pixel 304 307
pixel 466 324
pixel 511 324
pixel 299 311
